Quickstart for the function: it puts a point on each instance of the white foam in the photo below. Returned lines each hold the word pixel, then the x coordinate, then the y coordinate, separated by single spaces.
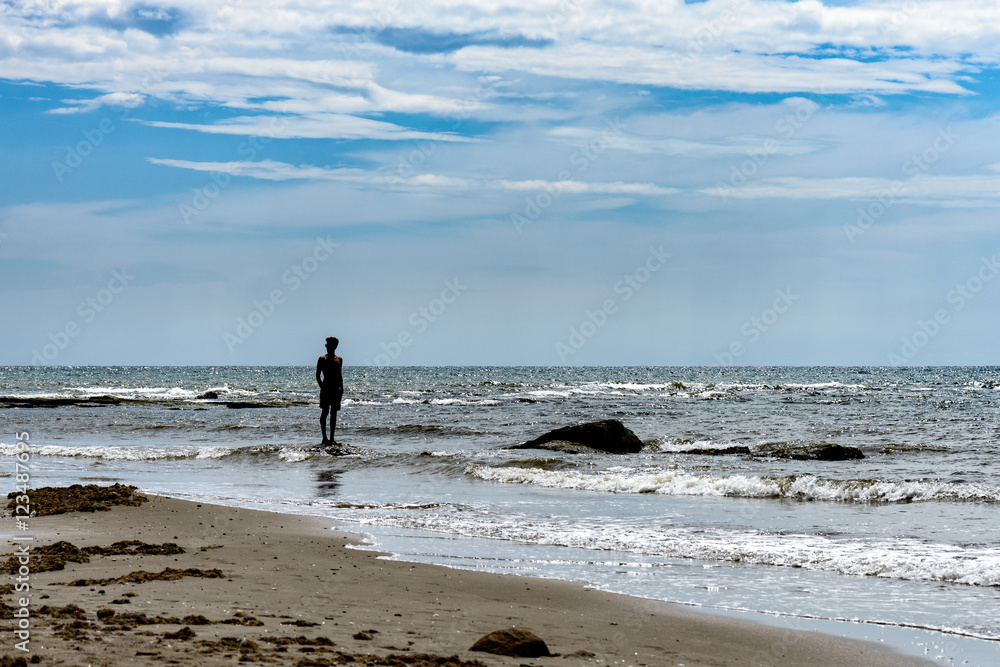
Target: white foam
pixel 823 385
pixel 463 401
pixel 677 483
pixel 293 455
pixel 898 558
pixel 123 453
pixel 134 393
pixel 667 444
pixel 38 395
pixel 549 393
pixel 98 452
pixel 172 393
pixel 214 452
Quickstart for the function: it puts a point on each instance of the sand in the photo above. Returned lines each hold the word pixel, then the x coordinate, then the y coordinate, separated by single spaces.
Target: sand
pixel 266 588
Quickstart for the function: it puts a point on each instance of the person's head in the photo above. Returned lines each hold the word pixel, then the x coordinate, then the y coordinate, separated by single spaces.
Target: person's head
pixel 331 343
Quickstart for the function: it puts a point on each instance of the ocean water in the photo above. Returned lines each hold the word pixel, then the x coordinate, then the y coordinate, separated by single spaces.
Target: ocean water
pixel 902 546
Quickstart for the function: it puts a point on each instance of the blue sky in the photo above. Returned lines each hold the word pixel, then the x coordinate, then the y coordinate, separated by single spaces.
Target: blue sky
pixel 546 182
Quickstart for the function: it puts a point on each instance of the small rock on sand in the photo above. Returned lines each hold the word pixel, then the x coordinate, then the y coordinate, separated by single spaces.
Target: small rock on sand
pixel 512 642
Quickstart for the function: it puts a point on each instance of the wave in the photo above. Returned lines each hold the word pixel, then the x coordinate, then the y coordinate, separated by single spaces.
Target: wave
pixel 104 453
pixel 105 395
pixel 419 429
pixel 895 559
pixel 158 393
pixel 286 453
pixel 685 389
pixel 673 445
pixel 136 392
pixel 489 393
pixel 823 385
pixel 462 401
pixel 791 487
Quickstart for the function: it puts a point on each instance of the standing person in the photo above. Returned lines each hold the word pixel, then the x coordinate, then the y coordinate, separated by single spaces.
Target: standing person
pixel 330 377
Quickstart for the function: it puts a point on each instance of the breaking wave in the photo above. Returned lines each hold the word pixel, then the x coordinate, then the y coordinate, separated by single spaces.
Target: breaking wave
pixel 896 559
pixel 791 487
pixel 287 453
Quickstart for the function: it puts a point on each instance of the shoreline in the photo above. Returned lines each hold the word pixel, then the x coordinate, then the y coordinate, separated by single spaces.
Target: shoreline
pixel 291 591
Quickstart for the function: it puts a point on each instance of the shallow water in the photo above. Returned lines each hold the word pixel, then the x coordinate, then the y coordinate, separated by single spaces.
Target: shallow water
pixel 906 537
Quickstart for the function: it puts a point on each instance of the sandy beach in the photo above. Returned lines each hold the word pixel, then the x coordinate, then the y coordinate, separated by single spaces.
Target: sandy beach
pixel 209 585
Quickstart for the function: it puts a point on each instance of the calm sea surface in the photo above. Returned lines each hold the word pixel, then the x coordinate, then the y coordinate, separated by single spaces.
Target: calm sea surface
pixel 902 546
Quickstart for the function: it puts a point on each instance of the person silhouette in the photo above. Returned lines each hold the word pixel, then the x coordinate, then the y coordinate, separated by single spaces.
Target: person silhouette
pixel 330 377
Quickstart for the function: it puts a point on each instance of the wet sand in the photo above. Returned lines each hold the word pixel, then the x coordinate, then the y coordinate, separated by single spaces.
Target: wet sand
pixel 266 588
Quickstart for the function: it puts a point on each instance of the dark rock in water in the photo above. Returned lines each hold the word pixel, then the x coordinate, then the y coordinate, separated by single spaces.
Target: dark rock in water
pixel 717 451
pixel 563 446
pixel 609 435
pixel 536 464
pixel 824 451
pixel 833 452
pixel 340 449
pixel 512 642
pixel 209 395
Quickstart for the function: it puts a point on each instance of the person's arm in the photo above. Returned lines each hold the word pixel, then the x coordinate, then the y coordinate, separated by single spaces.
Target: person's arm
pixel 340 375
pixel 319 370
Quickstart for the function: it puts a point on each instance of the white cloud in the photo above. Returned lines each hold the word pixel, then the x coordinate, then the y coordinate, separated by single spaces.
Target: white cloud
pixel 740 72
pixel 580 187
pixel 317 126
pixel 685 146
pixel 125 100
pixel 868 101
pixel 268 170
pixel 929 190
pixel 279 171
pixel 233 54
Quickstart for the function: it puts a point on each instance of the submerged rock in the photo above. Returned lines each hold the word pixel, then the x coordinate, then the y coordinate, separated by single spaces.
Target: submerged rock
pixel 608 435
pixel 824 451
pixel 717 451
pixel 512 642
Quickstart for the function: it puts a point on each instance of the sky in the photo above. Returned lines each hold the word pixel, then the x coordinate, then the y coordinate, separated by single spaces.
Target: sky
pixel 553 182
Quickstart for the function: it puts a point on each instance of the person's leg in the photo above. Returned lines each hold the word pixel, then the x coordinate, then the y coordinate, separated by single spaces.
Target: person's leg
pixel 322 422
pixel 333 427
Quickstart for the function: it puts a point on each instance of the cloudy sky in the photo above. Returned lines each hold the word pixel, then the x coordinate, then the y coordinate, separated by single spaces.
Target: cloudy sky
pixel 546 182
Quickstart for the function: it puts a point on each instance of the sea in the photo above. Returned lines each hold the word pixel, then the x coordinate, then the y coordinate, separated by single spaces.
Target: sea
pixel 900 547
